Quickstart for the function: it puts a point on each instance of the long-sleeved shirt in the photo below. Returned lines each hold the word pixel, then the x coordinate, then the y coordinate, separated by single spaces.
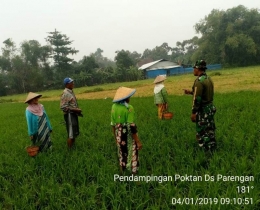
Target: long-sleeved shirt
pixel 161 97
pixel 203 92
pixel 32 122
pixel 68 100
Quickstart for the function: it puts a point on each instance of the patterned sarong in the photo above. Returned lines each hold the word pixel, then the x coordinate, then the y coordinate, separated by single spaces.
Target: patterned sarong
pixel 127 148
pixel 205 127
pixel 161 110
pixel 42 138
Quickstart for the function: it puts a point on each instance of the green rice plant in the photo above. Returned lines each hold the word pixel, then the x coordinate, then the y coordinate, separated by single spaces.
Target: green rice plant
pixel 83 178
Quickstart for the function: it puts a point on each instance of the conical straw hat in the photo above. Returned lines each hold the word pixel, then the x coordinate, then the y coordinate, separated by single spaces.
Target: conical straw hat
pixel 31 96
pixel 159 78
pixel 123 93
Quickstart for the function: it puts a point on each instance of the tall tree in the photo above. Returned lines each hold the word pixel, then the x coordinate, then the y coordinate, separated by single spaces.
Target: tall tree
pixel 183 51
pixel 135 56
pixel 123 62
pixel 102 61
pixel 8 52
pixel 86 70
pixel 157 53
pixel 147 54
pixel 31 52
pixel 60 51
pixel 47 70
pixel 123 59
pixel 13 68
pixel 228 36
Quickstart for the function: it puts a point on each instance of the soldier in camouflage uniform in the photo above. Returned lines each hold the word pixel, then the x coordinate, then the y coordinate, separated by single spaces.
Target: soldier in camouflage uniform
pixel 203 110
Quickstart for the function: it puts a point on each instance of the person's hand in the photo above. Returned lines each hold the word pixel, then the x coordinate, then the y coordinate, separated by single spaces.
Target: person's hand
pixel 187 92
pixel 137 141
pixel 139 145
pixel 79 114
pixel 193 117
pixel 31 137
pixel 76 110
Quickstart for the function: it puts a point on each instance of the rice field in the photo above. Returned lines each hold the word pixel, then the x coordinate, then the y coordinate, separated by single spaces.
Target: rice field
pixel 84 178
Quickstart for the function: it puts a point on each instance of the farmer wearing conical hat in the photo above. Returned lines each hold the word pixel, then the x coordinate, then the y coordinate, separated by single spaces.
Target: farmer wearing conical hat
pixel 71 111
pixel 39 126
pixel 203 110
pixel 125 130
pixel 160 95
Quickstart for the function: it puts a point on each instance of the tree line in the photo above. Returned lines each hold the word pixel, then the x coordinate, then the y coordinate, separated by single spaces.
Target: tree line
pixel 230 37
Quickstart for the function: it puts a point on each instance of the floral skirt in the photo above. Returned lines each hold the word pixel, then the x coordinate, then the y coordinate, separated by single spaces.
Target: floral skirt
pixel 127 148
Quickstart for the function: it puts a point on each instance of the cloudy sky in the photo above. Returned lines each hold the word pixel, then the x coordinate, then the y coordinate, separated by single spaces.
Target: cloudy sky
pixel 111 25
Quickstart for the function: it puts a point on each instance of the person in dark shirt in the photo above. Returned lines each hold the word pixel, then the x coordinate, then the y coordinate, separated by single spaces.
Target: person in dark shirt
pixel 203 109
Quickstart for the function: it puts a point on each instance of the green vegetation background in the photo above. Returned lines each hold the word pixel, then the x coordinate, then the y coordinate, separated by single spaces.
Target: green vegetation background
pixel 83 178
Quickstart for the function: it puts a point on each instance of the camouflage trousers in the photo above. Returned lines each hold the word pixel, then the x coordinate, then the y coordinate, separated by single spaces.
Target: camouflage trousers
pixel 205 127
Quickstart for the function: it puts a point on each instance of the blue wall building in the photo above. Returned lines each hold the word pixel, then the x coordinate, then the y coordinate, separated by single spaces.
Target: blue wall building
pixel 168 68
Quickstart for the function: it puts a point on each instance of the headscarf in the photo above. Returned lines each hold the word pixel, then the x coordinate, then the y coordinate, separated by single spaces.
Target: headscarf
pixel 36 109
pixel 158 87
